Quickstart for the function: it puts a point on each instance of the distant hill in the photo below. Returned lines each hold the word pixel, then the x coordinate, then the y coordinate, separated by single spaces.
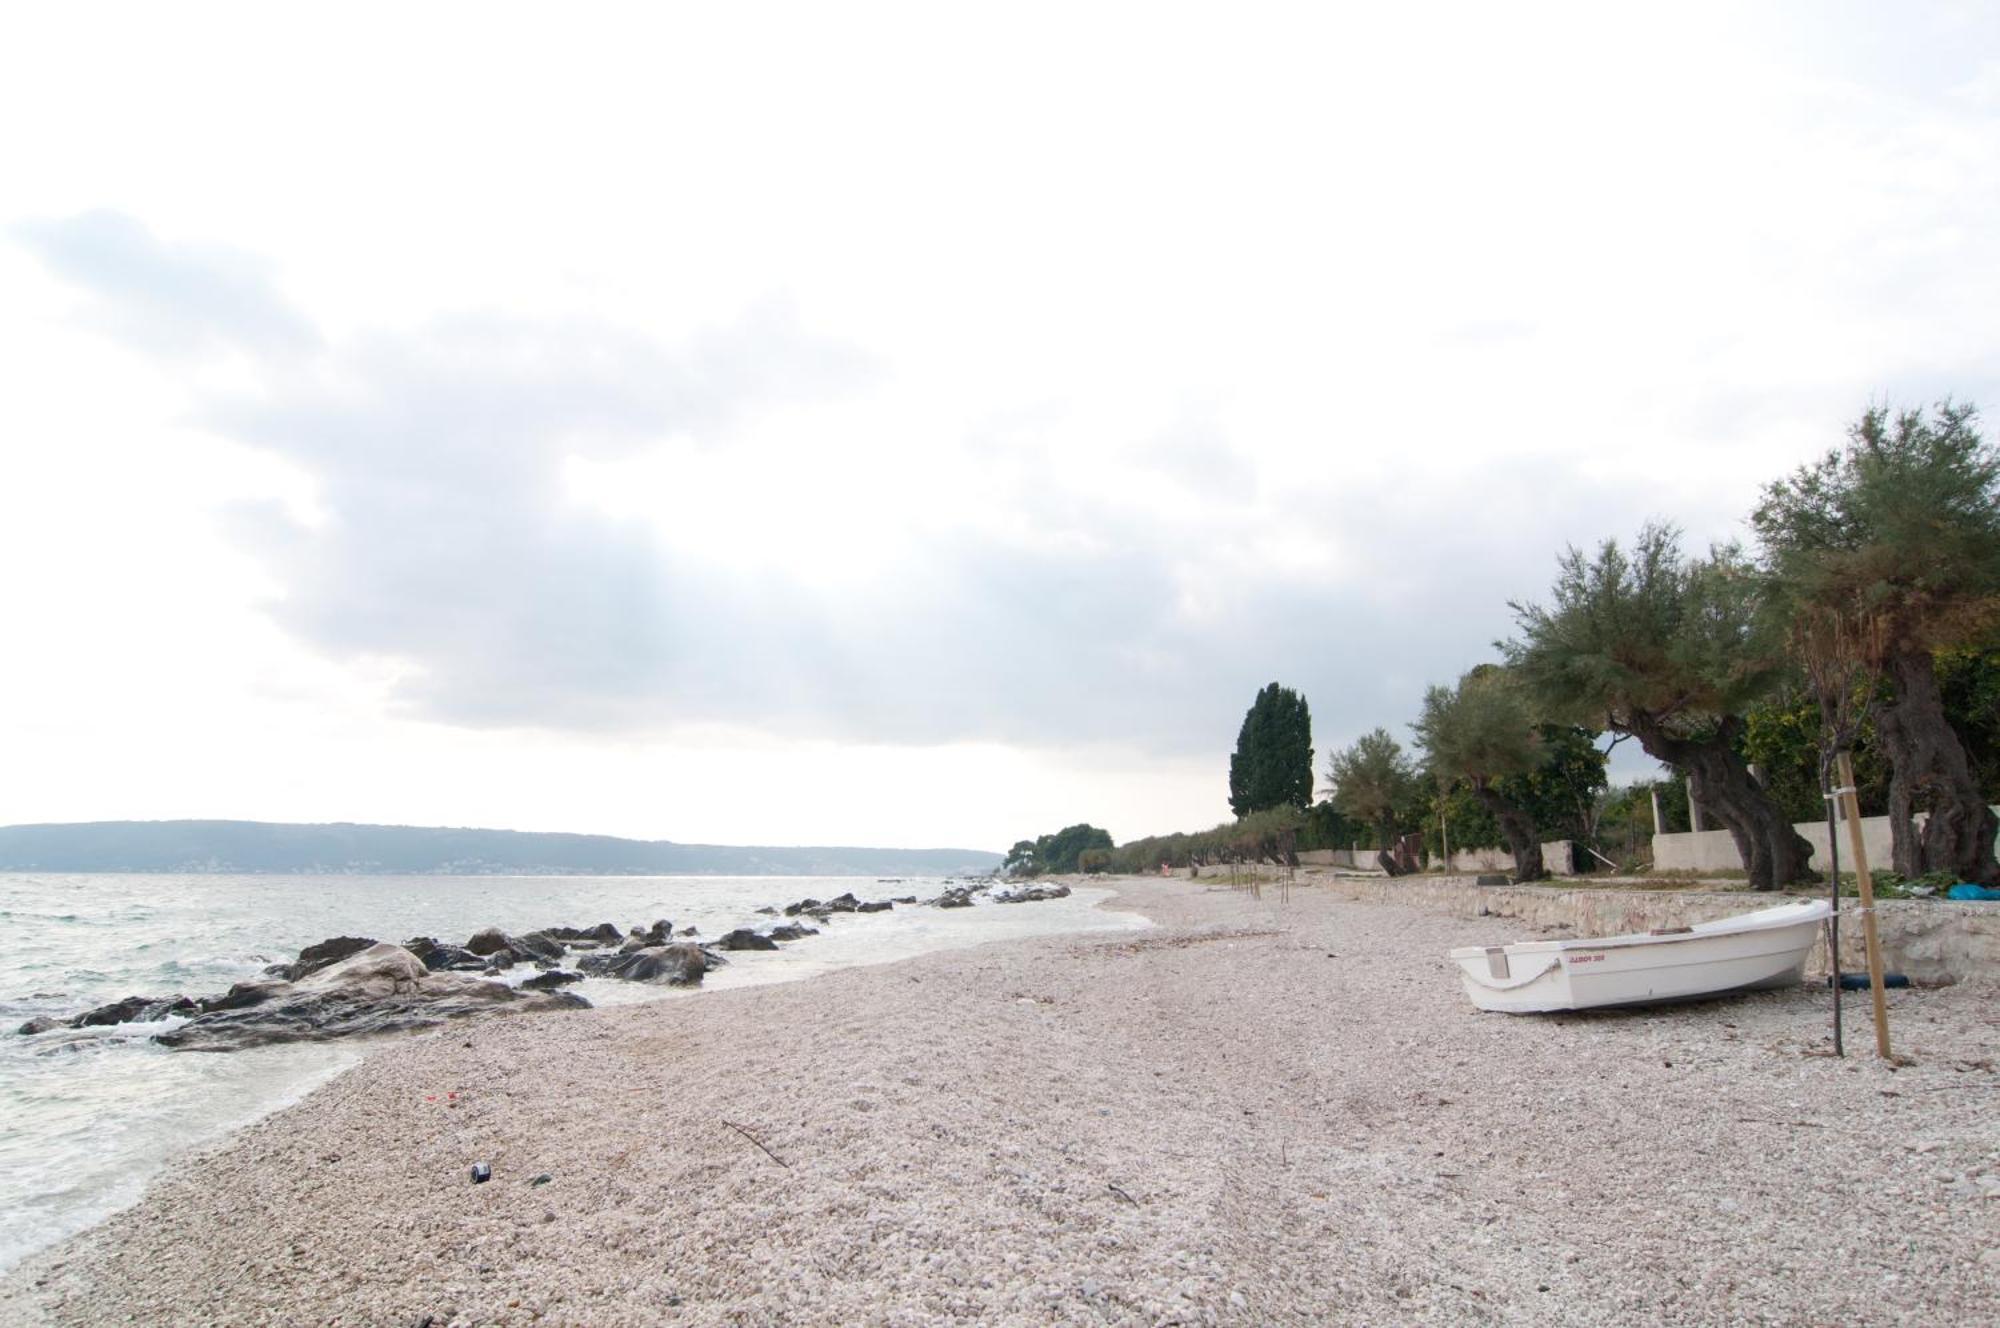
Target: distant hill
pixel 262 846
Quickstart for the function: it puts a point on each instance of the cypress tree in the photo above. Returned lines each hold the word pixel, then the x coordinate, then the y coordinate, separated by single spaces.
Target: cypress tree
pixel 1272 766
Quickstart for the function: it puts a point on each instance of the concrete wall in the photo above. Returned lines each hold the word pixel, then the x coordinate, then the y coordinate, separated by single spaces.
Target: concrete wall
pixel 1556 855
pixel 1930 940
pixel 1714 850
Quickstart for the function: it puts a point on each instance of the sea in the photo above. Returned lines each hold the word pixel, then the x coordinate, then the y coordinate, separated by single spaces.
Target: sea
pixel 89 1116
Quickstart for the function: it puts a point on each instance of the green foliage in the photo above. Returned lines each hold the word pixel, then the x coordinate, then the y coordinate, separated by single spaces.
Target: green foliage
pixel 1480 732
pixel 1094 860
pixel 1625 817
pixel 1373 781
pixel 1783 737
pixel 1272 765
pixel 1325 827
pixel 1055 853
pixel 1890 543
pixel 1258 837
pixel 1650 638
pixel 1560 793
pixel 1969 680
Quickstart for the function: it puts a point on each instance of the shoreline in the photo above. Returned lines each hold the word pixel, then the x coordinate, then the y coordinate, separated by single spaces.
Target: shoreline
pixel 1208 1121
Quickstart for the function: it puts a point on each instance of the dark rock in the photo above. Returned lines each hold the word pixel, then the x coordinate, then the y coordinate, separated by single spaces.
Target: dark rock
pixel 383 989
pixel 499 961
pixel 606 934
pixel 41 1023
pixel 688 931
pixel 791 931
pixel 660 933
pixel 549 981
pixel 957 897
pixel 803 906
pixel 677 965
pixel 537 945
pixel 846 903
pixel 768 912
pixel 745 939
pixel 633 944
pixel 118 1012
pixel 243 995
pixel 905 899
pixel 437 955
pixel 876 906
pixel 487 940
pixel 1029 894
pixel 324 955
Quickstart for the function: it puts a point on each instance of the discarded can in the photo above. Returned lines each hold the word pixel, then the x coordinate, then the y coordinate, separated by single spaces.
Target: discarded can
pixel 481 1173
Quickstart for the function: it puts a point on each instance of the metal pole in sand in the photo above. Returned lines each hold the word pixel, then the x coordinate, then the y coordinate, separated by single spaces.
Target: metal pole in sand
pixel 1833 919
pixel 1850 806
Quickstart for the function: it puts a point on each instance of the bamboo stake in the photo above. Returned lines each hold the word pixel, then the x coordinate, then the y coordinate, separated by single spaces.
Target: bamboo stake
pixel 1851 808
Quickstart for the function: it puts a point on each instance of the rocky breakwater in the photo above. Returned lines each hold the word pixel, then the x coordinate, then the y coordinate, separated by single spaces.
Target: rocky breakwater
pixel 382 989
pixel 347 986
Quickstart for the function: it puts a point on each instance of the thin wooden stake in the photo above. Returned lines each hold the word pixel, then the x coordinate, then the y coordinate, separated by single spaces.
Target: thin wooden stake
pixel 1851 806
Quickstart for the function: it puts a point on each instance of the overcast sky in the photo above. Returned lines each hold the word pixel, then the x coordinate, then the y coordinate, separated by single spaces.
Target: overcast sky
pixel 902 426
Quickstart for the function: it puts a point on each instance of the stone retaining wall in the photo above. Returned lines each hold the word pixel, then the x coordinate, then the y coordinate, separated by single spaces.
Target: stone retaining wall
pixel 1933 941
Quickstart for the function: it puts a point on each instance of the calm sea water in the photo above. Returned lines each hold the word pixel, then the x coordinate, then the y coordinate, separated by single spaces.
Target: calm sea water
pixel 91 1115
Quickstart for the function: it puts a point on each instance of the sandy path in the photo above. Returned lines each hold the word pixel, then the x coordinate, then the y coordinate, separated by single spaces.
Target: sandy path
pixel 1213 1122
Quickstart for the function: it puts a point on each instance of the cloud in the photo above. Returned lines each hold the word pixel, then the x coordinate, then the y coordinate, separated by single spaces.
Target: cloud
pixel 180 300
pixel 764 550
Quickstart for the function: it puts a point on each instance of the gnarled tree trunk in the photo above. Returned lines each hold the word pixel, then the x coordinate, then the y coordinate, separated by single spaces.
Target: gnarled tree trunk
pixel 1929 772
pixel 1774 854
pixel 1385 857
pixel 1518 828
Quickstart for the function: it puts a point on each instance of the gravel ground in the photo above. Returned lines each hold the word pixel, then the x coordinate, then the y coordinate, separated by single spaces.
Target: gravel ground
pixel 1263 1112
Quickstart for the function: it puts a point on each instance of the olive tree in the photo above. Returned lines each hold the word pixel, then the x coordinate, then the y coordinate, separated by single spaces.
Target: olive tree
pixel 1881 554
pixel 1670 650
pixel 1480 733
pixel 1373 781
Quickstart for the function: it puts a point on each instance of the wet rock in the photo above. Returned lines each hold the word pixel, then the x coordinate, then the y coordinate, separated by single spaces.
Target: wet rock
pixel 324 955
pixel 791 931
pixel 537 945
pixel 688 931
pixel 1029 894
pixel 549 981
pixel 604 933
pixel 676 965
pixel 499 961
pixel 487 941
pixel 846 903
pixel 130 1010
pixel 745 939
pixel 243 995
pixel 436 955
pixel 660 933
pixel 905 899
pixel 41 1023
pixel 803 906
pixel 957 897
pixel 382 989
pixel 876 906
pixel 768 912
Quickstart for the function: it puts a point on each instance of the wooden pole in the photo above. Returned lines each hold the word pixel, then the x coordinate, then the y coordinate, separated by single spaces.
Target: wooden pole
pixel 1851 808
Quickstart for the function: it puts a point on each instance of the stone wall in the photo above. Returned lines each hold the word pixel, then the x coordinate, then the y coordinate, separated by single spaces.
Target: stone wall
pixel 1932 941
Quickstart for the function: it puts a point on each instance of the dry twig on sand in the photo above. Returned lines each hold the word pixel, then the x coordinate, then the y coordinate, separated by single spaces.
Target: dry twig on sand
pixel 759 1142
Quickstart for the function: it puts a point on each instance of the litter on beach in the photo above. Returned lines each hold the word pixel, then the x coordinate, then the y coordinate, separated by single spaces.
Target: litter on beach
pixel 1763 949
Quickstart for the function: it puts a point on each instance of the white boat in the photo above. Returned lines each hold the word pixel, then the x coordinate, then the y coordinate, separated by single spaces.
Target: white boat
pixel 1767 948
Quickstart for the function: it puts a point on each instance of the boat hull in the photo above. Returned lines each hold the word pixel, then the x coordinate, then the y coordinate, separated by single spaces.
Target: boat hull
pixel 1757 950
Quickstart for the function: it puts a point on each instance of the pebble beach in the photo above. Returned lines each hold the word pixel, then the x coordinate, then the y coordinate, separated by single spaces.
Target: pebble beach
pixel 1267 1109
